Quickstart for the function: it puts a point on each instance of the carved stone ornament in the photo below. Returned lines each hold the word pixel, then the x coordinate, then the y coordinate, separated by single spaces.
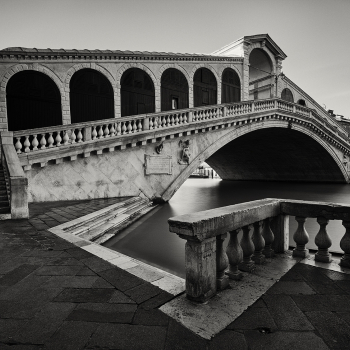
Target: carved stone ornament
pixel 159 148
pixel 185 152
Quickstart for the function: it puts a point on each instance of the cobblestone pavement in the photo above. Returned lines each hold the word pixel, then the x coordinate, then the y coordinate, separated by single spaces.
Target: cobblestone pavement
pixel 54 295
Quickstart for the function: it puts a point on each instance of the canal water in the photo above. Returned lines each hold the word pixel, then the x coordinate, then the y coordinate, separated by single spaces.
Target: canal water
pixel 149 239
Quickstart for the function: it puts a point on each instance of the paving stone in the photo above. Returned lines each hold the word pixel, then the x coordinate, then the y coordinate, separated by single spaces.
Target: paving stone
pixel 150 318
pixel 259 304
pixel 121 279
pixel 286 314
pixel 254 318
pixel 9 329
pixel 344 285
pixel 336 276
pixel 179 338
pixel 322 302
pixel 20 347
pixel 292 275
pixel 344 316
pixel 72 335
pixel 102 283
pixel 71 281
pixel 85 295
pixel 228 340
pixel 333 330
pixel 284 340
pixel 291 287
pixel 120 336
pixel 96 264
pixel 120 298
pixel 312 273
pixel 103 312
pixel 42 253
pixel 58 270
pixel 85 271
pixel 65 261
pixel 157 301
pixel 333 288
pixel 143 292
pixel 17 274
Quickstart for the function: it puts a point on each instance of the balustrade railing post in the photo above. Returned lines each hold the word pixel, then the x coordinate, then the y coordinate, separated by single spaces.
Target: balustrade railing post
pixel 269 238
pixel 200 260
pixel 280 228
pixel 224 111
pixel 345 245
pixel 235 256
pixel 323 241
pixel 259 243
pixel 87 133
pixel 301 238
pixel 253 107
pixel 248 248
pixel 145 125
pixel 221 263
pixel 189 117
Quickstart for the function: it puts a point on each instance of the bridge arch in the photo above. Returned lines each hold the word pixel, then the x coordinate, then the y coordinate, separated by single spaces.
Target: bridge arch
pixel 35 67
pixel 330 157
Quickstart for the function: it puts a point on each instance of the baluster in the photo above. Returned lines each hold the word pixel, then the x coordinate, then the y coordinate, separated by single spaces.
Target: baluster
pixel 26 144
pixel 221 263
pixel 106 131
pixel 166 121
pixel 119 128
pixel 43 141
pixel 100 132
pixel 269 237
pixel 323 241
pixel 194 116
pixel 35 143
pixel 18 145
pixel 134 126
pixel 129 128
pixel 180 118
pixel 301 238
pixel 94 133
pixel 79 136
pixel 170 120
pixel 185 121
pixel 50 140
pixel 150 123
pixel 112 130
pixel 124 128
pixel 345 245
pixel 259 243
pixel 155 124
pixel 248 249
pixel 65 137
pixel 139 125
pixel 176 119
pixel 73 136
pixel 235 256
pixel 58 139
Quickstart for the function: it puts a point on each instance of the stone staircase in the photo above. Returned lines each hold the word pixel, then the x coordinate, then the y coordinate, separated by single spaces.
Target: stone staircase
pixel 5 209
pixel 105 223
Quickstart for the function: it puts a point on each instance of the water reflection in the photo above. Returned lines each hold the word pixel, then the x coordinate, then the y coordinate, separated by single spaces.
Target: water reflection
pixel 149 239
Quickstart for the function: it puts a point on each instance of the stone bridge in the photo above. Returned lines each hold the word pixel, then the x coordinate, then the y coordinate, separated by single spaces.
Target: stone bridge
pixel 249 122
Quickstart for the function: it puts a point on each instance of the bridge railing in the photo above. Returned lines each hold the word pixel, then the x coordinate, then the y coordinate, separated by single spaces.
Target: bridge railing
pixel 209 267
pixel 32 140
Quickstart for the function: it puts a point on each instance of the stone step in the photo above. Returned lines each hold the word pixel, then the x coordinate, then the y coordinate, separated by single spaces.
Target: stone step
pixel 94 219
pixel 120 219
pixel 5 210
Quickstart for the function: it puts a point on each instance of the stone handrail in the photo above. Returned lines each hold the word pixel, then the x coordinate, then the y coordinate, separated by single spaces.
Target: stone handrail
pixel 209 267
pixel 33 140
pixel 17 180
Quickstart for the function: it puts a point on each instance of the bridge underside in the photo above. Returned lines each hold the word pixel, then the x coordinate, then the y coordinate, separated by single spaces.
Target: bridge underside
pixel 275 154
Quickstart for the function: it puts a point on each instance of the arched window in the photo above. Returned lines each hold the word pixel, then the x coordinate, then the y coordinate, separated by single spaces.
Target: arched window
pixel 137 93
pixel 33 101
pixel 91 96
pixel 204 88
pixel 174 90
pixel 301 102
pixel 231 86
pixel 287 95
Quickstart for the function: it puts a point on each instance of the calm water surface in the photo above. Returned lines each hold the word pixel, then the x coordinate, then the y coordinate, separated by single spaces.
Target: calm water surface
pixel 149 238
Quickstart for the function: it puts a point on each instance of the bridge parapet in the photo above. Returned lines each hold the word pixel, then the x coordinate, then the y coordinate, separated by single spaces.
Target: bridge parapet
pixel 209 266
pixel 67 141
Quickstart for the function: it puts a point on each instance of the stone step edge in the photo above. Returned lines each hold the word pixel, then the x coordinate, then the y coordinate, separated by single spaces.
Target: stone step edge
pixel 98 230
pixel 70 225
pixel 94 223
pixel 162 279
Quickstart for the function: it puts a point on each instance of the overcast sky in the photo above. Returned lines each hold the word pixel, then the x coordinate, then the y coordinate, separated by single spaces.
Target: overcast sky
pixel 315 34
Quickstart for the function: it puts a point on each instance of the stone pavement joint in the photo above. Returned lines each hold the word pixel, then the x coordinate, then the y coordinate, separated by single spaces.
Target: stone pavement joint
pixel 54 295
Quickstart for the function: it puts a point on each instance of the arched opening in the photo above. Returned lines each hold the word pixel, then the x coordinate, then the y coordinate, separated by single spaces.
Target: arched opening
pixel 284 155
pixel 204 88
pixel 260 75
pixel 230 86
pixel 287 95
pixel 33 101
pixel 174 90
pixel 301 102
pixel 137 93
pixel 91 96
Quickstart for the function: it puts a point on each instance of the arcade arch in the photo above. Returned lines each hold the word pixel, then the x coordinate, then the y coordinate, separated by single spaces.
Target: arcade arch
pixel 230 86
pixel 204 88
pixel 287 95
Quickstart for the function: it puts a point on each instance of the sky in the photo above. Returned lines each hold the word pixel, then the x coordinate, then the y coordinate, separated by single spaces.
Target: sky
pixel 314 34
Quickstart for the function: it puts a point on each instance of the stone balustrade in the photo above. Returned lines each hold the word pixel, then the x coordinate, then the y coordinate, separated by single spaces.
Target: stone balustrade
pixel 209 267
